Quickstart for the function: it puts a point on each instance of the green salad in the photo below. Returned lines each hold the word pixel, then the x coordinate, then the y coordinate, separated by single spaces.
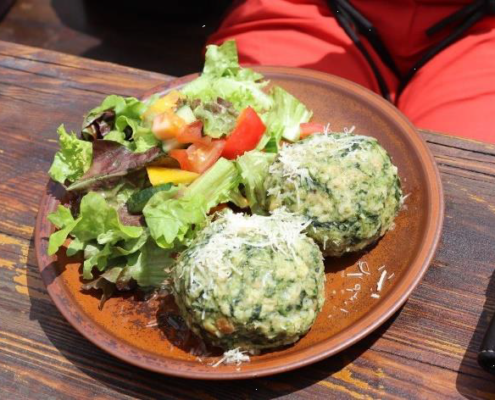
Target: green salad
pixel 144 175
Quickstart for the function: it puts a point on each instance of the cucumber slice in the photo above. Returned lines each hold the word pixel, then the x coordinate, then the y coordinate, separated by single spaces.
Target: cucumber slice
pixel 186 113
pixel 138 200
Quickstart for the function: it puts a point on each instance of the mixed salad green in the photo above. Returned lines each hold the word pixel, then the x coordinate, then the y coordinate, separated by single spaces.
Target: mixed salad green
pixel 142 176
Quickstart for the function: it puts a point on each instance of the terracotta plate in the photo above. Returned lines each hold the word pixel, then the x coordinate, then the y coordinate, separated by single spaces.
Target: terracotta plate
pixel 149 334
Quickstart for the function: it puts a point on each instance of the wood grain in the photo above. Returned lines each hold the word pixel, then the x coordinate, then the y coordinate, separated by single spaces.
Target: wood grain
pixel 427 350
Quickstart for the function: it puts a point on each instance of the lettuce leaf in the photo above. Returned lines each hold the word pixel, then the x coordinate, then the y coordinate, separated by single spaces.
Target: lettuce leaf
pixel 65 222
pixel 121 255
pixel 142 136
pixel 216 185
pixel 74 247
pixel 119 194
pixel 97 221
pixel 122 106
pixel 151 266
pixel 100 221
pixel 100 234
pixel 119 137
pixel 253 168
pixel 172 221
pixel 221 60
pixel 119 119
pixel 145 262
pixel 219 118
pixel 283 120
pixel 223 77
pixel 144 139
pixel 240 93
pixel 95 256
pixel 106 282
pixel 72 160
pixel 131 246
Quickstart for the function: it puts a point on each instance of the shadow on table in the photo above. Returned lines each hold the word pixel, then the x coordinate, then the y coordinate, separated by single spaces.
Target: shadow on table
pixel 470 373
pixel 162 36
pixel 139 383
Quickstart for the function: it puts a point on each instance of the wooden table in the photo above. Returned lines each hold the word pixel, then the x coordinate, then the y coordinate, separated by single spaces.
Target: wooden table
pixel 427 350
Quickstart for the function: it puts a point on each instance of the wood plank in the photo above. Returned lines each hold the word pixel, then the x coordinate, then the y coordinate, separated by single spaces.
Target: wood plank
pixel 428 350
pixel 29 64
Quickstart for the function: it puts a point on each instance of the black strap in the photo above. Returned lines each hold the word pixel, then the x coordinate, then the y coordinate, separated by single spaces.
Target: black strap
pixel 457 16
pixel 366 28
pixel 467 16
pixel 354 23
pixel 347 22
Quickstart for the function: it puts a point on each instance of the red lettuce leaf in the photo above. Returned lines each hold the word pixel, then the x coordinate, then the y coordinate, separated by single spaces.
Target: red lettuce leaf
pixel 99 126
pixel 112 161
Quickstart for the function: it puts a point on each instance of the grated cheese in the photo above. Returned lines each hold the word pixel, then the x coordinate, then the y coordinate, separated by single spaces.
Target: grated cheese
pixel 356 288
pixel 281 231
pixel 349 130
pixel 364 268
pixel 234 356
pixel 404 198
pixel 375 295
pixel 379 285
pixel 391 276
pixel 325 240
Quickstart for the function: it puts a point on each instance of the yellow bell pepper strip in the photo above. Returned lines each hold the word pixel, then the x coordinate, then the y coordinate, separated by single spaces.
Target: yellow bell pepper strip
pixel 160 176
pixel 167 125
pixel 165 103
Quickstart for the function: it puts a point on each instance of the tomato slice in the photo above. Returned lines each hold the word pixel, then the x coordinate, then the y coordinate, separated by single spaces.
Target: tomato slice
pixel 203 156
pixel 246 135
pixel 199 156
pixel 309 128
pixel 193 133
pixel 183 158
